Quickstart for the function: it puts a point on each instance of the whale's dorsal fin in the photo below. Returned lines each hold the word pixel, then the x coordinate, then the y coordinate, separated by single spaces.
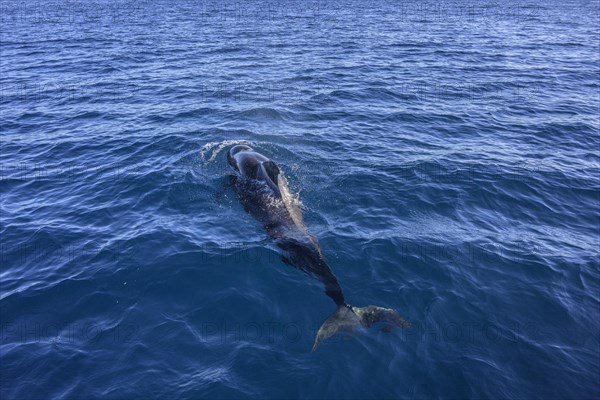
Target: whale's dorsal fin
pixel 272 170
pixel 269 173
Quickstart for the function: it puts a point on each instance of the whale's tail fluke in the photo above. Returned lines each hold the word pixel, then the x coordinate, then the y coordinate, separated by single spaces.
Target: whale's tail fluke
pixel 348 318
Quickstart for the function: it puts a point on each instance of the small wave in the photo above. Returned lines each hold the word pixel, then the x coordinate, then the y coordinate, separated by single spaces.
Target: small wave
pixel 198 112
pixel 234 49
pixel 33 114
pixel 88 115
pixel 263 113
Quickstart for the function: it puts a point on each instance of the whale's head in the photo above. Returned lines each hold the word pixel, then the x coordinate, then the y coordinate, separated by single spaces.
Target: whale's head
pixel 233 151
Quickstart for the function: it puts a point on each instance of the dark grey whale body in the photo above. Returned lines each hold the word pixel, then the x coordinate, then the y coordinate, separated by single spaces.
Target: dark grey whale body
pixel 263 192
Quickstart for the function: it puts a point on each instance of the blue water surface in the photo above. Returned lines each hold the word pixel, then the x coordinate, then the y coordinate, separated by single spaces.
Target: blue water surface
pixel 445 154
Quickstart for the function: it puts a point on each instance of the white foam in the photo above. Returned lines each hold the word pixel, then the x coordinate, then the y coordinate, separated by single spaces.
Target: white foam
pixel 292 202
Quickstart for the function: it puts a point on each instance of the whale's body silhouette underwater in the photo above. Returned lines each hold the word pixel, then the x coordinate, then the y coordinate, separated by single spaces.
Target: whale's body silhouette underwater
pixel 262 190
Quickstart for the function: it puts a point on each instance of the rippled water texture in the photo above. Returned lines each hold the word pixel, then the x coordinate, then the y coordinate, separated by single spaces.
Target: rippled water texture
pixel 446 155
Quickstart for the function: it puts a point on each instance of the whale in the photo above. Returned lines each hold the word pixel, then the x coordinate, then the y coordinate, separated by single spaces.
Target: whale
pixel 262 189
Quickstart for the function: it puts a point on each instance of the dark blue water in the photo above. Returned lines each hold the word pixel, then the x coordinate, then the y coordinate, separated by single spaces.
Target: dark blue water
pixel 446 155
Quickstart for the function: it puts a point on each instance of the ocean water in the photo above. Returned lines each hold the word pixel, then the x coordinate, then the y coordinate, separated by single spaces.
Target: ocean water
pixel 445 154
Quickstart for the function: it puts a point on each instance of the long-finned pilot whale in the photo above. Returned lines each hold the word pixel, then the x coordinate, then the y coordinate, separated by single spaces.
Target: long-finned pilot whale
pixel 262 190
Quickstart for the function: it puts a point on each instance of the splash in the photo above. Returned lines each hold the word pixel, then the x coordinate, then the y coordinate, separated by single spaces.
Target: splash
pixel 211 150
pixel 292 202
